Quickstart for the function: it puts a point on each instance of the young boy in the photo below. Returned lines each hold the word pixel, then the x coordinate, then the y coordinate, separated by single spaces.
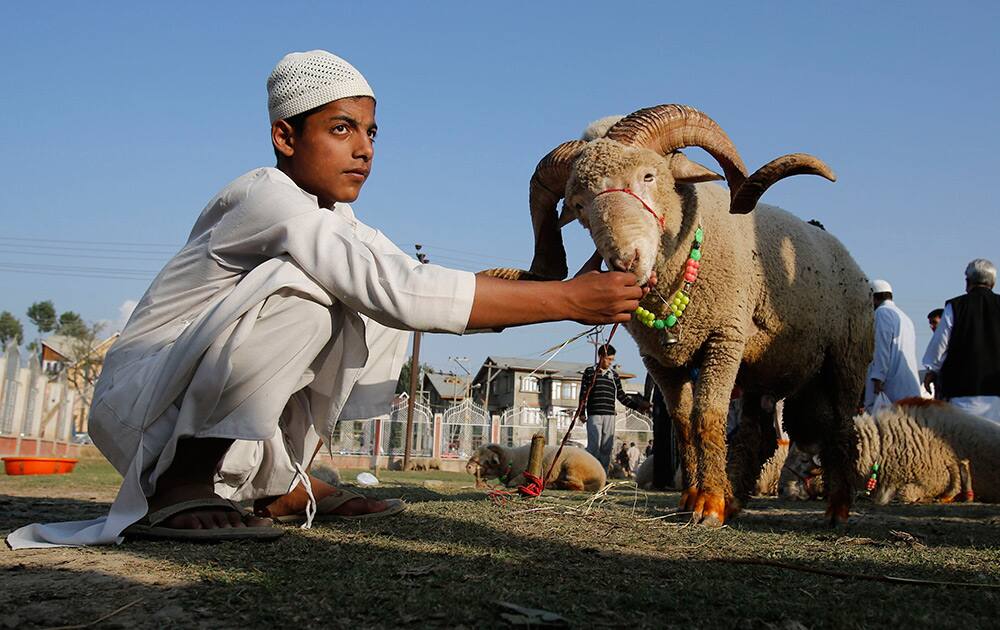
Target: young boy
pixel 282 314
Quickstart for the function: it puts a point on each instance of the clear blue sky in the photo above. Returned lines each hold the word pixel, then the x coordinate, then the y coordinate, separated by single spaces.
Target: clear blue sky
pixel 120 120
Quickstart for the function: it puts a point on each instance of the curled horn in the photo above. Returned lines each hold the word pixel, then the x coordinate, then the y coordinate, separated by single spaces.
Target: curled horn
pixel 666 128
pixel 548 185
pixel 746 197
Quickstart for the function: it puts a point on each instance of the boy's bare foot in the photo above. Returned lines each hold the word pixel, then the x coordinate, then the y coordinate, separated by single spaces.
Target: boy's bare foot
pixel 295 502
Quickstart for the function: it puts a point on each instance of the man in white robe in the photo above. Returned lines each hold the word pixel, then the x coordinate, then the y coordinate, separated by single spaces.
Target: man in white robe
pixel 893 370
pixel 281 315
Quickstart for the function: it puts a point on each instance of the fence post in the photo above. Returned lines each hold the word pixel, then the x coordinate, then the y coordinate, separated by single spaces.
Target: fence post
pixel 495 428
pixel 438 434
pixel 377 445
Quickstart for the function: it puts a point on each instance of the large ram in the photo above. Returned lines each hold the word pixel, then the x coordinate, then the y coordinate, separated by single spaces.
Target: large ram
pixel 774 304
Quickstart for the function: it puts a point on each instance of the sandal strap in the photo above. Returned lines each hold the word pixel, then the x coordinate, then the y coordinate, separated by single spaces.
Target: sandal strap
pixel 159 516
pixel 329 503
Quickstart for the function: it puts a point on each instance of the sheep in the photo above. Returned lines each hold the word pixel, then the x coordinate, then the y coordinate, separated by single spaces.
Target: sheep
pixel 777 305
pixel 767 483
pixel 801 475
pixel 576 469
pixel 928 450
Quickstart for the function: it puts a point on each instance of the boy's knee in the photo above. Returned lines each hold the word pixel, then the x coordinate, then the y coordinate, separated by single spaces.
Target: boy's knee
pixel 308 319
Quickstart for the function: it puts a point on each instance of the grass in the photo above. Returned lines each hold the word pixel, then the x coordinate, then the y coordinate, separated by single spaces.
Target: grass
pixel 625 560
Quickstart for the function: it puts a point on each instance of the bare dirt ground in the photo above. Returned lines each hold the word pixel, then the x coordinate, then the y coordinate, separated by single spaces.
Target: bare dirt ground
pixel 455 559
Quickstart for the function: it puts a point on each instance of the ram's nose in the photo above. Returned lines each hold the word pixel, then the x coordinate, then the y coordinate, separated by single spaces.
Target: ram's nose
pixel 621 264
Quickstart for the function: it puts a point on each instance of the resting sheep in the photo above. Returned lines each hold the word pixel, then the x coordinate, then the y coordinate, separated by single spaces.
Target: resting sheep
pixel 576 469
pixel 928 451
pixel 777 305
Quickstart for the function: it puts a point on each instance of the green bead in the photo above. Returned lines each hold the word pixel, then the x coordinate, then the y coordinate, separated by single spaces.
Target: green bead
pixel 660 324
pixel 696 254
pixel 670 321
pixel 699 236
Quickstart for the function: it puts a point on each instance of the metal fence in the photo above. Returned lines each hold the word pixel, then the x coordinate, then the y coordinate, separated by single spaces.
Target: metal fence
pixel 464 428
pixel 632 426
pixel 518 425
pixel 394 431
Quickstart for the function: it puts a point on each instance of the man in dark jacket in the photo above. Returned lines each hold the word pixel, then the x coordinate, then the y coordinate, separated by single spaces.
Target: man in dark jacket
pixel 602 386
pixel 963 358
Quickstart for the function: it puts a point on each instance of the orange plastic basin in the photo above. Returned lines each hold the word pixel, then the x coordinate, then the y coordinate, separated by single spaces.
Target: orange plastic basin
pixel 38 465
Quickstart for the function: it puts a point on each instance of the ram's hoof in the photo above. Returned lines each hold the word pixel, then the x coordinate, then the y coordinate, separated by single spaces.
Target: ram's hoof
pixel 709 509
pixel 839 508
pixel 688 499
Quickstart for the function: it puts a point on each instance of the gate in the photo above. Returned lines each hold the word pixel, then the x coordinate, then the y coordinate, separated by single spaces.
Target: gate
pixel 633 426
pixel 353 437
pixel 578 437
pixel 394 431
pixel 518 425
pixel 464 428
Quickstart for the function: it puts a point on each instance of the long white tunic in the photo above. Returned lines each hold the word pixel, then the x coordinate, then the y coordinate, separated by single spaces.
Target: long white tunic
pixel 165 376
pixel 895 359
pixel 937 351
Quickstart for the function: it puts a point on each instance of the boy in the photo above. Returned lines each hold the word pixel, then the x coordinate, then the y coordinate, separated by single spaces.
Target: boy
pixel 282 314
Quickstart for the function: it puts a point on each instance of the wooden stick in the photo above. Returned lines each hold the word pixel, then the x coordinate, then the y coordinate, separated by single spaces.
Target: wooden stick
pixel 536 454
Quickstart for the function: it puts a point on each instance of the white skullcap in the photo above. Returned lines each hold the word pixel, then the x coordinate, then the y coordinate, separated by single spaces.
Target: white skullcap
pixel 881 286
pixel 303 81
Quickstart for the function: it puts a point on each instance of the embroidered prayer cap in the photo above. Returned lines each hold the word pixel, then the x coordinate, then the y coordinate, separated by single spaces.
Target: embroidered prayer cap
pixel 304 80
pixel 881 286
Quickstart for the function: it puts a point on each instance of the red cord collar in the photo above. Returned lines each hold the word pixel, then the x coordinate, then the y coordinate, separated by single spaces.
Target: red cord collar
pixel 628 191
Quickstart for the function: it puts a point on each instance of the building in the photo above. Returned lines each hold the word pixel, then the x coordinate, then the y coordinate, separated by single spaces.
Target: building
pixel 552 388
pixel 82 364
pixel 441 391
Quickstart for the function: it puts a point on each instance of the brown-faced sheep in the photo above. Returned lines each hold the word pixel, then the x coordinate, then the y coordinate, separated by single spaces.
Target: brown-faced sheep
pixel 928 451
pixel 576 469
pixel 772 303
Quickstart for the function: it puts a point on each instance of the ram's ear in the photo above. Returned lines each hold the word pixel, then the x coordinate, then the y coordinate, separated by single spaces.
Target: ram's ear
pixel 497 456
pixel 686 171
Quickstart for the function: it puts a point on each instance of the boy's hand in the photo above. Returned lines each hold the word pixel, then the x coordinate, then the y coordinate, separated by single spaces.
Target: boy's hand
pixel 603 298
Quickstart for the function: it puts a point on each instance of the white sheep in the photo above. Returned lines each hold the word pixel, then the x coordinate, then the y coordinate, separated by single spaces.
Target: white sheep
pixel 928 451
pixel 777 305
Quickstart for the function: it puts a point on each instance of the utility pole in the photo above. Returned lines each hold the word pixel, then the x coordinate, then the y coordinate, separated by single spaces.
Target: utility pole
pixel 459 361
pixel 414 371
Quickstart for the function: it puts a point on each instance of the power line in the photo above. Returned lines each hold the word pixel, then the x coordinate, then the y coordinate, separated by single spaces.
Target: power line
pixel 81 242
pixel 20 251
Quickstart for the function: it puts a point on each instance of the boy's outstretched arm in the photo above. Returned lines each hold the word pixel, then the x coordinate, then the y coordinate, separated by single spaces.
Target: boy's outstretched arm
pixel 591 298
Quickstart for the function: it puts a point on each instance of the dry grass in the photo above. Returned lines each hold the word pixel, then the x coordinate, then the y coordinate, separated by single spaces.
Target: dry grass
pixel 618 558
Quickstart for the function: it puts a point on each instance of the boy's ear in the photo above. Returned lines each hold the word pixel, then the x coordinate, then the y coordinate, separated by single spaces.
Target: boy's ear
pixel 283 137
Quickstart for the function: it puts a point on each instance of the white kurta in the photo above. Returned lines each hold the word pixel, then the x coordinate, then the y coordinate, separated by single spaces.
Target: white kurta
pixel 895 359
pixel 937 351
pixel 166 376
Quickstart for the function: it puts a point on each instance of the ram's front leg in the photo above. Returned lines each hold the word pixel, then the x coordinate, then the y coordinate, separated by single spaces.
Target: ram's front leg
pixel 678 393
pixel 714 502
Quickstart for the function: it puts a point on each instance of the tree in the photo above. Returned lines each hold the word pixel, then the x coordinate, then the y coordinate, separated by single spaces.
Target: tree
pixel 43 316
pixel 72 325
pixel 85 362
pixel 10 329
pixel 403 384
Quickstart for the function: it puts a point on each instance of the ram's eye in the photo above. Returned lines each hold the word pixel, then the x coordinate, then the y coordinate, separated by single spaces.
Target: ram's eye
pixel 578 206
pixel 648 177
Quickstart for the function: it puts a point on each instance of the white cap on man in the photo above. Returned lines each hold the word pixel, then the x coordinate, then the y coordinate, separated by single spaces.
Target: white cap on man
pixel 881 286
pixel 305 80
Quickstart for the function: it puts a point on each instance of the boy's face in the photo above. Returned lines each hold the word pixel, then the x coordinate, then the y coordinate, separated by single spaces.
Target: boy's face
pixel 331 155
pixel 606 361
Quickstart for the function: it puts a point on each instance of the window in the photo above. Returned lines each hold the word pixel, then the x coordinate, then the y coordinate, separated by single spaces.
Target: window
pixel 533 416
pixel 569 390
pixel 529 384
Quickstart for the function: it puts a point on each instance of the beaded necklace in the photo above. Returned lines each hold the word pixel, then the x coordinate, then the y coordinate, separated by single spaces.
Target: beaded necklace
pixel 681 298
pixel 872 480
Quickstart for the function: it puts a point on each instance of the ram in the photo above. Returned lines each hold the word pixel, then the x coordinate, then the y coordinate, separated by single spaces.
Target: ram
pixel 745 294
